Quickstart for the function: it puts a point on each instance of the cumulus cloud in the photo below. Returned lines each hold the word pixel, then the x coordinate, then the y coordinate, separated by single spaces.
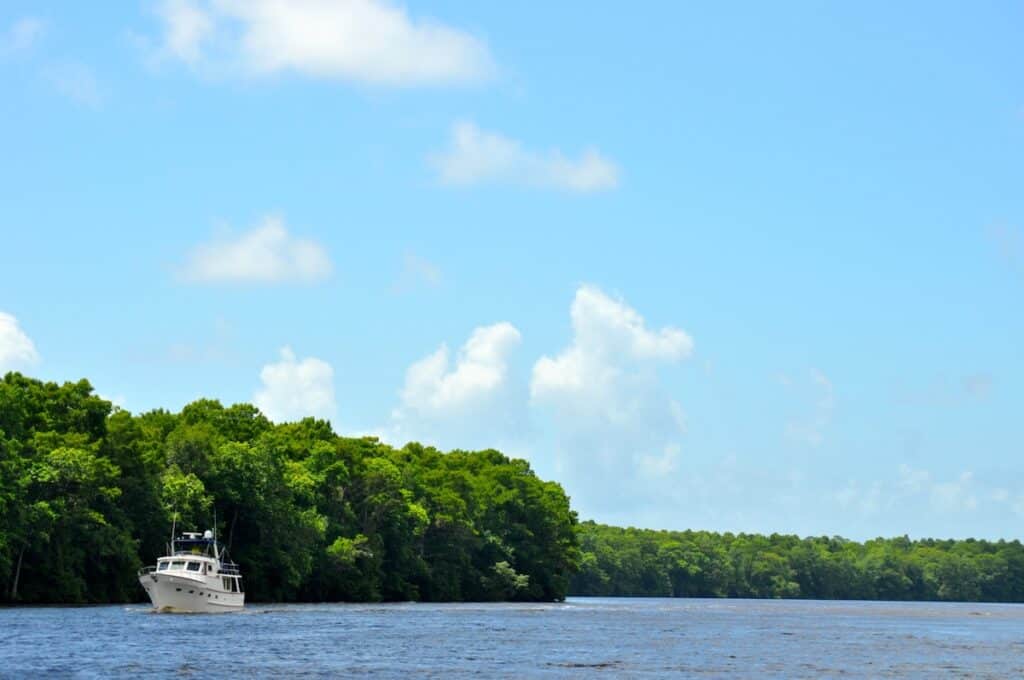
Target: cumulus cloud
pixel 294 389
pixel 265 254
pixel 607 333
pixel 433 385
pixel 618 432
pixel 22 35
pixel 366 41
pixel 17 351
pixel 465 401
pixel 475 156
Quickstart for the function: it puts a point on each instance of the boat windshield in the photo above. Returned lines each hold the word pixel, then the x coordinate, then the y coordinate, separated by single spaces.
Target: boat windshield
pixel 163 566
pixel 177 565
pixel 193 566
pixel 193 546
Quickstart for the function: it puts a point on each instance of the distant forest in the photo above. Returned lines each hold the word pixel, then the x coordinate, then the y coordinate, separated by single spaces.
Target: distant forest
pixel 642 562
pixel 88 492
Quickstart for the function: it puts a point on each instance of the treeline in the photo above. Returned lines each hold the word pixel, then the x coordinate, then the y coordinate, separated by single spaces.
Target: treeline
pixel 87 494
pixel 641 562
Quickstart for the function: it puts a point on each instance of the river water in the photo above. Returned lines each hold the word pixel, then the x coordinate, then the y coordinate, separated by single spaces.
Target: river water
pixel 583 637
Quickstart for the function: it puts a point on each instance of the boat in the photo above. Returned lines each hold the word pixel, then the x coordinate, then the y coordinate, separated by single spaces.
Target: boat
pixel 196 577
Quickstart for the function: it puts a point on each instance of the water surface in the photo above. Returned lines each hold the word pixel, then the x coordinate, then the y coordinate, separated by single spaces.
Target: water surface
pixel 583 637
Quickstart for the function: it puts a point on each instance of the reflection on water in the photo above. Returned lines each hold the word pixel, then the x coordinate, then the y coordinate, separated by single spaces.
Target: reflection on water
pixel 583 637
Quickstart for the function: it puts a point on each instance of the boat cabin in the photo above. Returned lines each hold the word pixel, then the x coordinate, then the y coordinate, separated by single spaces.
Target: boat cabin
pixel 199 556
pixel 194 543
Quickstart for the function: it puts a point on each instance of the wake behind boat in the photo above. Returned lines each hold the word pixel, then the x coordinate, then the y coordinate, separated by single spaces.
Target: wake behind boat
pixel 194 578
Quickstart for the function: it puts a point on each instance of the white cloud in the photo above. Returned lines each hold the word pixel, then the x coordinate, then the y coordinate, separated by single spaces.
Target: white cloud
pixel 77 82
pixel 471 401
pixel 606 334
pixel 294 389
pixel 476 156
pixel 618 432
pixel 366 41
pixel 265 254
pixel 432 385
pixel 186 27
pixel 17 351
pixel 22 35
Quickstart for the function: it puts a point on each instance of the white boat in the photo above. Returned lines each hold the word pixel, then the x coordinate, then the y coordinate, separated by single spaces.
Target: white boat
pixel 194 578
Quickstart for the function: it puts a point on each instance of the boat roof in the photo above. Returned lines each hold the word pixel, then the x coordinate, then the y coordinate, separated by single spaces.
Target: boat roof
pixel 194 542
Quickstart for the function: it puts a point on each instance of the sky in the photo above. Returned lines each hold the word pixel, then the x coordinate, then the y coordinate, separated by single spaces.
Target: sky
pixel 727 266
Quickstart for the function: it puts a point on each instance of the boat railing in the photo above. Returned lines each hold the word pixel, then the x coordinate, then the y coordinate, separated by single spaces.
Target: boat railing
pixel 229 568
pixel 147 570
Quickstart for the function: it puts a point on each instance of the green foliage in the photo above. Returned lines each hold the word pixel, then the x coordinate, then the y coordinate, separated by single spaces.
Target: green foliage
pixel 88 494
pixel 641 562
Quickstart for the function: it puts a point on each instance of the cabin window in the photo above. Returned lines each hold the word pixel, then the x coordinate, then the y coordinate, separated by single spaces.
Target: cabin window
pixel 227 583
pixel 163 566
pixel 193 566
pixel 177 565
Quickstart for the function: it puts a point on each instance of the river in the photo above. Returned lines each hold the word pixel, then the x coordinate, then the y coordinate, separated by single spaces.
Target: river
pixel 583 637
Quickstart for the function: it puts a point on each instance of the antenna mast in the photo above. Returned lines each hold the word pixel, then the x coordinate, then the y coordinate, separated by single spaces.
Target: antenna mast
pixel 174 520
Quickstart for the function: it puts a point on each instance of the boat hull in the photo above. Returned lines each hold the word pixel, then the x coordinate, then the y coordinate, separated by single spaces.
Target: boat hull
pixel 179 594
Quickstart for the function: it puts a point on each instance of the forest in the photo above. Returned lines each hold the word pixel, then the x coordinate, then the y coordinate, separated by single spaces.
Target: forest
pixel 88 493
pixel 641 562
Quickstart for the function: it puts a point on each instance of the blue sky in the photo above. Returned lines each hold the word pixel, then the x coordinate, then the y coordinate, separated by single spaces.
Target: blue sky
pixel 733 266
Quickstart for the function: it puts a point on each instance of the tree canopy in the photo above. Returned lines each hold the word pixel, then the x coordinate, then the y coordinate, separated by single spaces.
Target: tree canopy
pixel 643 562
pixel 88 493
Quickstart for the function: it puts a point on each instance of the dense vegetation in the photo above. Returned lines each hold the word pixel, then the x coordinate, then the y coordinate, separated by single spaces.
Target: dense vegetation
pixel 87 494
pixel 618 561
